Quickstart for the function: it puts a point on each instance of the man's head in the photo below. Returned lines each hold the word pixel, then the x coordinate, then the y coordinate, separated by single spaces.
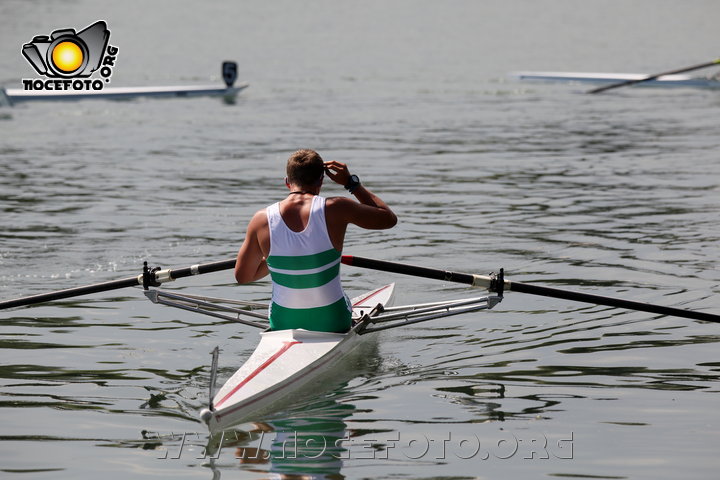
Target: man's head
pixel 305 168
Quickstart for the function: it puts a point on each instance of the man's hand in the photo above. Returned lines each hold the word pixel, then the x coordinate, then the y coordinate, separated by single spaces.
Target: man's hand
pixel 338 172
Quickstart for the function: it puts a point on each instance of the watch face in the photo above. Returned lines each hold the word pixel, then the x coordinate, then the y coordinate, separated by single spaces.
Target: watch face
pixel 352 183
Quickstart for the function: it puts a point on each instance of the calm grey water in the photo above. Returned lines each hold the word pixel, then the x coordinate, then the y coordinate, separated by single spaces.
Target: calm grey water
pixel 615 194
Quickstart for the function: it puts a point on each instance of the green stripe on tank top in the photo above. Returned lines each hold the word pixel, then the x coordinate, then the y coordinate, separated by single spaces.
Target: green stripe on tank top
pixel 303 262
pixel 335 317
pixel 310 280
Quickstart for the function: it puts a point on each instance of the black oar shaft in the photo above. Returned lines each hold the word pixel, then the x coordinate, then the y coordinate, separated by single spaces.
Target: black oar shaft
pixel 610 301
pixel 160 276
pixel 482 281
pixel 72 292
pixel 394 267
pixel 653 77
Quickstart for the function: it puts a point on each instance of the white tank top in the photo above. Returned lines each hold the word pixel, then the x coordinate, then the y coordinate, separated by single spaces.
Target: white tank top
pixel 305 271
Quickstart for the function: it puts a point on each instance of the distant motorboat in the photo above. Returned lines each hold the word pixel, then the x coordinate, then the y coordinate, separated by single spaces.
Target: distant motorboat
pixel 12 96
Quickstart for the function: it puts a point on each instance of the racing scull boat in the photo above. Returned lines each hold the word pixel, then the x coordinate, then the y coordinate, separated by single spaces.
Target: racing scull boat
pixel 287 361
pixel 579 77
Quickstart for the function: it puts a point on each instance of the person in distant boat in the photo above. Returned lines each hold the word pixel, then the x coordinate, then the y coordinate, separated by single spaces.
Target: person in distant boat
pixel 299 241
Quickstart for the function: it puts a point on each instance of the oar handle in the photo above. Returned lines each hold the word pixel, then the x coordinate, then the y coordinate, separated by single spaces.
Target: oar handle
pixel 498 283
pixel 169 275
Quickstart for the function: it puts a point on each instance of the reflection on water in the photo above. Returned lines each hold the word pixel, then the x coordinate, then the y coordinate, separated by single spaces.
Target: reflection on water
pixel 304 434
pixel 304 446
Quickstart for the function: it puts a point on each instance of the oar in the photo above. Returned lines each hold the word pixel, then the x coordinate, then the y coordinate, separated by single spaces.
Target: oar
pixel 653 77
pixel 149 277
pixel 498 284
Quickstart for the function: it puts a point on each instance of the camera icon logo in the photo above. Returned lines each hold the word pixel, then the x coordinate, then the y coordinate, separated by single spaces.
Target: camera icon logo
pixel 68 54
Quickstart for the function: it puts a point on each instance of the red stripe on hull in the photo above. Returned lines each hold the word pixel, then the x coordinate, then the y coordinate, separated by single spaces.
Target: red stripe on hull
pixel 326 360
pixel 377 292
pixel 257 371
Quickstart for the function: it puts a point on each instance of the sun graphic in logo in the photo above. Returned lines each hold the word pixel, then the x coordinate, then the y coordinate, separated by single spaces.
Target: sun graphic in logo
pixel 67 56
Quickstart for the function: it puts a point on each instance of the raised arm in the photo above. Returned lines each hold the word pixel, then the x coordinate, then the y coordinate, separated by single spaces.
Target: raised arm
pixel 370 211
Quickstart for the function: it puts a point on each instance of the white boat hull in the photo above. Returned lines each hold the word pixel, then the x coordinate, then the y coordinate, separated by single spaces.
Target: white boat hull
pixel 285 361
pixel 664 81
pixel 16 95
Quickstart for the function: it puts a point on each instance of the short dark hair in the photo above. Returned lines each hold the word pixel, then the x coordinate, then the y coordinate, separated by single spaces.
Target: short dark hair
pixel 305 168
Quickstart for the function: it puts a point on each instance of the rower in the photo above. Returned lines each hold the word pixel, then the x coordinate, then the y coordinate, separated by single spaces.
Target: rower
pixel 299 242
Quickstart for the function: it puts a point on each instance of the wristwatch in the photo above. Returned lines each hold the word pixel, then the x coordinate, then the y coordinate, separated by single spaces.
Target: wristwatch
pixel 353 183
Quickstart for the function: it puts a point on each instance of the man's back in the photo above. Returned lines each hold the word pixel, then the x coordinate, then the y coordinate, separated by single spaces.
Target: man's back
pixel 308 231
pixel 304 267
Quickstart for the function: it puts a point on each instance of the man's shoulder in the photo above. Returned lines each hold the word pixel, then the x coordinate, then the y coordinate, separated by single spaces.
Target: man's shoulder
pixel 339 204
pixel 332 201
pixel 259 218
pixel 340 209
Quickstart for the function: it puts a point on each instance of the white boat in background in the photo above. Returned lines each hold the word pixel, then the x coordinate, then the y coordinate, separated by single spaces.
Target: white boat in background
pixel 16 95
pixel 11 96
pixel 596 78
pixel 288 361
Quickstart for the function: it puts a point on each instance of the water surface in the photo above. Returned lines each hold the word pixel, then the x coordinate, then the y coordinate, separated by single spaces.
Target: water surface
pixel 614 194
